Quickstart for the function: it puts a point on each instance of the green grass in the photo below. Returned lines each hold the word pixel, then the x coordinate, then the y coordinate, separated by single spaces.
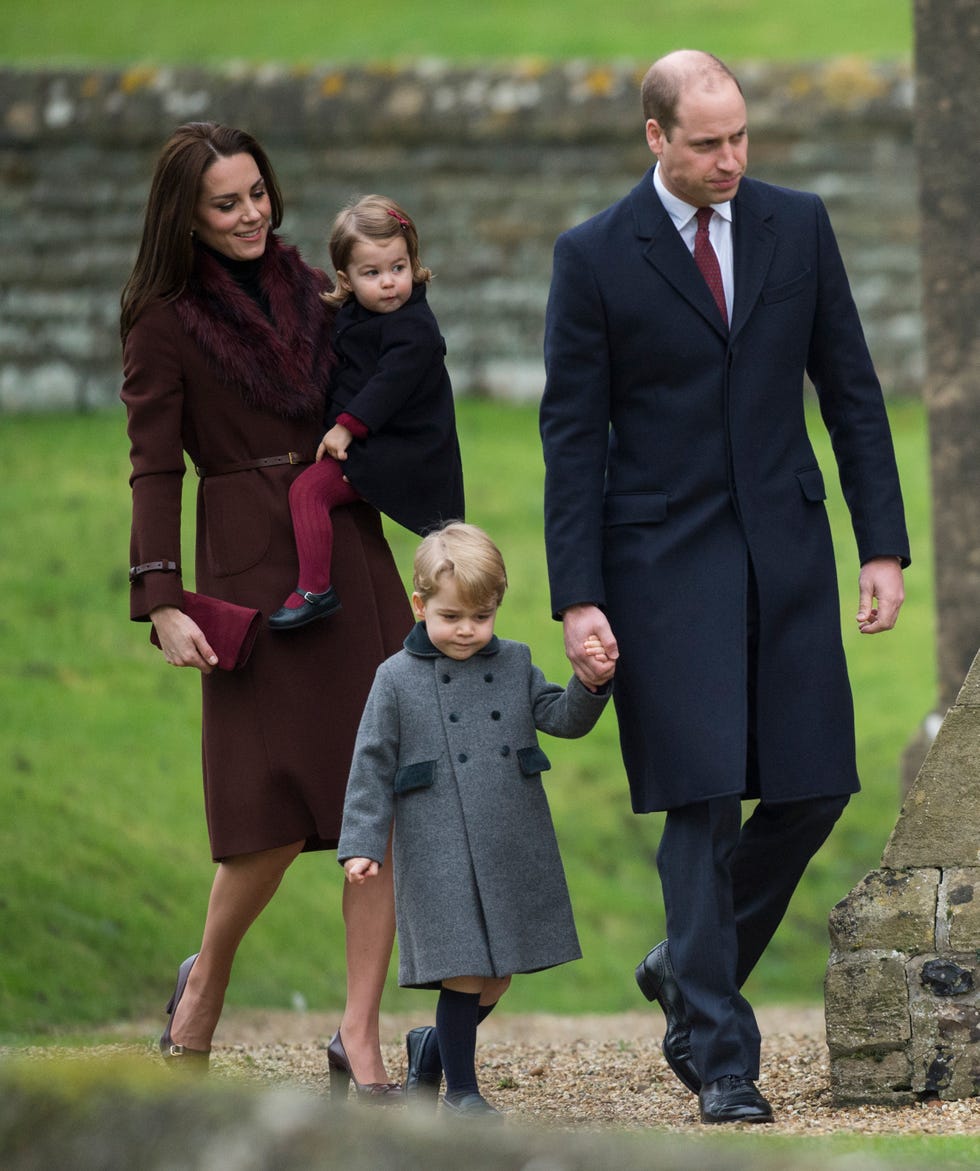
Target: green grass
pixel 105 862
pixel 309 31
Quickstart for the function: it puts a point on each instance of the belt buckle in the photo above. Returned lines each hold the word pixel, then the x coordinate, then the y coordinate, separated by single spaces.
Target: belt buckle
pixel 294 457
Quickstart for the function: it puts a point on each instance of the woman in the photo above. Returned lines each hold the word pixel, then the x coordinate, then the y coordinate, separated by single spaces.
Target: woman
pixel 226 356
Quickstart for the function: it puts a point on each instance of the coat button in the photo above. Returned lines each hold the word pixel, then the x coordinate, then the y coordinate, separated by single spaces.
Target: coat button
pixel 453 718
pixel 495 715
pixel 462 758
pixel 505 751
pixel 445 678
pixel 488 678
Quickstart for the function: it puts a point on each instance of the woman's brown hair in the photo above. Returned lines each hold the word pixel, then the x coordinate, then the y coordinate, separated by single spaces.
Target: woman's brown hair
pixel 166 251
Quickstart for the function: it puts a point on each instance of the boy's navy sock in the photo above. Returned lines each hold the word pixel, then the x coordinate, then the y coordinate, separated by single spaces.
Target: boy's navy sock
pixel 457 1015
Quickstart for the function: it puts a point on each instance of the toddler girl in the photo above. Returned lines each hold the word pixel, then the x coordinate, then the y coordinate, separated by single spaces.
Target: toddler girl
pixel 391 437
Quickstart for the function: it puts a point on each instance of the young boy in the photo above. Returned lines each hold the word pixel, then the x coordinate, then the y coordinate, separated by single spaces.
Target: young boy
pixel 447 754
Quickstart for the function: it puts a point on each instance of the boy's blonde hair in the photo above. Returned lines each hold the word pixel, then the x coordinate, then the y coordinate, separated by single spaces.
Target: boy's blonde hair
pixel 371 217
pixel 467 555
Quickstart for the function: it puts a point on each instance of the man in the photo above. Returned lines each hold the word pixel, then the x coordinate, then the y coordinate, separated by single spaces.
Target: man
pixel 686 530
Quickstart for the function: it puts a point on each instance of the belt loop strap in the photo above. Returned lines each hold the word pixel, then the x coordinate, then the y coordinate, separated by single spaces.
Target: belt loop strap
pixel 149 566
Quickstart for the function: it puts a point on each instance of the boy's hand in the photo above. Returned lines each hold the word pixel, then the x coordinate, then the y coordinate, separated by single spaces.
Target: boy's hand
pixel 594 648
pixel 583 625
pixel 358 869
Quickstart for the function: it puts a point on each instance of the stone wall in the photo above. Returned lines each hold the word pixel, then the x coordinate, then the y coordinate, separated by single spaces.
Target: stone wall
pixel 903 981
pixel 491 162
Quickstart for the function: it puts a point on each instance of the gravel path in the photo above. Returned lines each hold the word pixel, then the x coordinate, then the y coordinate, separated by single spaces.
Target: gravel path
pixel 587 1072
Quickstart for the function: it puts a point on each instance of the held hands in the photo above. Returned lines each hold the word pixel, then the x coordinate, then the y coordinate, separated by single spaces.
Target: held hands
pixel 358 869
pixel 593 646
pixel 880 581
pixel 590 645
pixel 335 443
pixel 182 640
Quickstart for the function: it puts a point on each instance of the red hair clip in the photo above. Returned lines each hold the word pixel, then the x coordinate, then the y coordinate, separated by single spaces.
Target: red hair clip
pixel 401 219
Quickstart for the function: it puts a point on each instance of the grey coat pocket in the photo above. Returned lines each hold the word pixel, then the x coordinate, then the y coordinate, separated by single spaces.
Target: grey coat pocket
pixel 415 776
pixel 533 760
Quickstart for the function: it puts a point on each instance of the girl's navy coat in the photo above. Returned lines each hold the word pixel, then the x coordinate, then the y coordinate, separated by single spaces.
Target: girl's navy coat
pixel 678 461
pixel 448 752
pixel 391 375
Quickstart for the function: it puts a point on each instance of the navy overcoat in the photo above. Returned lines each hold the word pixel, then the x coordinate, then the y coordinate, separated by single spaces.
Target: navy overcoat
pixel 677 456
pixel 391 374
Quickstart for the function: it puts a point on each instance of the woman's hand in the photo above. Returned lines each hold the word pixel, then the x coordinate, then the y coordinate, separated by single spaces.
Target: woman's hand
pixel 357 869
pixel 182 640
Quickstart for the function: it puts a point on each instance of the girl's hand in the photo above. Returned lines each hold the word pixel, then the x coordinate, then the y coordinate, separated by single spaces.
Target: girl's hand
pixel 182 640
pixel 358 869
pixel 335 443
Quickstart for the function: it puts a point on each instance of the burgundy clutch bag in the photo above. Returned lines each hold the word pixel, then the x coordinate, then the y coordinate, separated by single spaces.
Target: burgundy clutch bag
pixel 229 628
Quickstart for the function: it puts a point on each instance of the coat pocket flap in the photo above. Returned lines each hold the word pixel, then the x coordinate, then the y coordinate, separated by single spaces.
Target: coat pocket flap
pixel 635 508
pixel 811 481
pixel 773 293
pixel 415 776
pixel 533 761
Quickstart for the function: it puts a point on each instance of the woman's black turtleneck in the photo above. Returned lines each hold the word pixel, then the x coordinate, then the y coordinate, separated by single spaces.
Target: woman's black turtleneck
pixel 245 274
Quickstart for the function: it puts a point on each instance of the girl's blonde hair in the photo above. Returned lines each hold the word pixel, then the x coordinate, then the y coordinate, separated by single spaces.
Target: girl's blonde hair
pixel 371 217
pixel 467 555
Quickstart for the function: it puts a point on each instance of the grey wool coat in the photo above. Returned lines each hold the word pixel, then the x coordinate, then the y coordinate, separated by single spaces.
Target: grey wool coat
pixel 447 753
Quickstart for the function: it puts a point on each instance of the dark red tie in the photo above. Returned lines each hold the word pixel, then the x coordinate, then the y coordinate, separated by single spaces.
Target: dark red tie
pixel 707 261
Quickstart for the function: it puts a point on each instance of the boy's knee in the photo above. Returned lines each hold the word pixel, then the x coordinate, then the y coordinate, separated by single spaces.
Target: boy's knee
pixel 494 989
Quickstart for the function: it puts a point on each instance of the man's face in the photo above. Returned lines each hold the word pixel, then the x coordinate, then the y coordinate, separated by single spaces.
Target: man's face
pixel 704 159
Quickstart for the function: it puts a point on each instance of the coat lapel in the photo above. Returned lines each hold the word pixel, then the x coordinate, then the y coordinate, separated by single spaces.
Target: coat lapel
pixel 753 246
pixel 663 248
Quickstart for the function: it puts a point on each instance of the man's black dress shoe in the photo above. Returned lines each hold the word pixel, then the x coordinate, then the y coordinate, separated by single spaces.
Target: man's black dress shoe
pixel 656 979
pixel 733 1099
pixel 314 606
pixel 424 1065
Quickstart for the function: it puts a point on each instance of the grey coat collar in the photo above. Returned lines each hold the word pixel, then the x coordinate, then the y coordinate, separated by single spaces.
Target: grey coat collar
pixel 418 643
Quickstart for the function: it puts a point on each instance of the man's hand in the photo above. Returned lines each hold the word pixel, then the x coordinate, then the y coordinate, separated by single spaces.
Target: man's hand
pixel 582 625
pixel 880 582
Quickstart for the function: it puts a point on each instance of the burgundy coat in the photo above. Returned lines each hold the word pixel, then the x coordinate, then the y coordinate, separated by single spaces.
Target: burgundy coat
pixel 209 375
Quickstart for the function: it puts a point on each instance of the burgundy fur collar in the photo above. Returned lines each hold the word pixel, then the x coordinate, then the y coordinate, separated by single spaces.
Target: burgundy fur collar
pixel 281 365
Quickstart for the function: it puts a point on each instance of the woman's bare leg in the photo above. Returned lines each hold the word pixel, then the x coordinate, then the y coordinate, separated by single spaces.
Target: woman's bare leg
pixel 242 887
pixel 369 917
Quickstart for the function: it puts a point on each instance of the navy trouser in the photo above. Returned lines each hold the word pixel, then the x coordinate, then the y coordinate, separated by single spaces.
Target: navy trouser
pixel 726 887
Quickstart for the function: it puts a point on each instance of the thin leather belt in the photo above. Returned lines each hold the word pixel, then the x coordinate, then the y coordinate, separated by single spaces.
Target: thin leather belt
pixel 247 465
